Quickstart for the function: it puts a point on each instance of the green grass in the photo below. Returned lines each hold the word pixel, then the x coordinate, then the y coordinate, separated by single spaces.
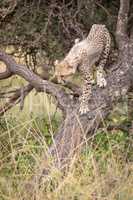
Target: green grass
pixel 103 170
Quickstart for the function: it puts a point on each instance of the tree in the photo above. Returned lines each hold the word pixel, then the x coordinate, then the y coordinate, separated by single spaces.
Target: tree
pixel 74 129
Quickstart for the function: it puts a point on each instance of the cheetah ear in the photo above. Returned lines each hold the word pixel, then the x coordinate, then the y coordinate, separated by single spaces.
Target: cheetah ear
pixel 76 40
pixel 56 62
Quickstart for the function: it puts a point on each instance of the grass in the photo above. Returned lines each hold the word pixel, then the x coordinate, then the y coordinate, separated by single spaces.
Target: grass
pixel 103 171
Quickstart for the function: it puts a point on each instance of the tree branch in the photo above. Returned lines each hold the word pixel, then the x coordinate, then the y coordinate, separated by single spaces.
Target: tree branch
pixel 6 11
pixel 15 99
pixel 75 129
pixel 122 21
pixel 64 99
pixel 6 74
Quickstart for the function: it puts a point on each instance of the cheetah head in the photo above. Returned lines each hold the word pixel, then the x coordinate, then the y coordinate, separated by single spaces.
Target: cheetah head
pixel 68 66
pixel 63 70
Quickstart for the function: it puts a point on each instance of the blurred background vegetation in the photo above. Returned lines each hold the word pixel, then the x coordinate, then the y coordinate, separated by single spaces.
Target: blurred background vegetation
pixel 51 26
pixel 36 33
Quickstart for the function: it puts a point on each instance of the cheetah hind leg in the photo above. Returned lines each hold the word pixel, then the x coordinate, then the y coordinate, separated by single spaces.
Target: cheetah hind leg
pixel 101 81
pixel 84 109
pixel 86 91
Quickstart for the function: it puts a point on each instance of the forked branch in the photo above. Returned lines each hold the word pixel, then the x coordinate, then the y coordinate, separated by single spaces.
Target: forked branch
pixel 64 99
pixel 15 98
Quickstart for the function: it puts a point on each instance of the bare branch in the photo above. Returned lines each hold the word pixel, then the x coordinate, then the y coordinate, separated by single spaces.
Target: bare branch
pixel 73 132
pixel 75 88
pixel 121 28
pixel 5 74
pixel 6 11
pixel 103 8
pixel 39 84
pixel 15 99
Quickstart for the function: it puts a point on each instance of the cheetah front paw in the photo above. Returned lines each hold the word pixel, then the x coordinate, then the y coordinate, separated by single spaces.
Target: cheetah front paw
pixel 83 109
pixel 101 81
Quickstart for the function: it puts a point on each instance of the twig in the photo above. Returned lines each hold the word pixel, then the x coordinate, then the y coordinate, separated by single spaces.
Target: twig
pixel 15 99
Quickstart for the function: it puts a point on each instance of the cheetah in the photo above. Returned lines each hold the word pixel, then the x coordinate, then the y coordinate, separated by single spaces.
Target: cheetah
pixel 83 56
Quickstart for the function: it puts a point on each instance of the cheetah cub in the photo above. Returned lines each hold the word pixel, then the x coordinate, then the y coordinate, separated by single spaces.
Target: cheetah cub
pixel 83 55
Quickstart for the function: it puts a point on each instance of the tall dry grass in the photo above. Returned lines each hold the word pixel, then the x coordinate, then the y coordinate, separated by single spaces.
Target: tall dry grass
pixel 103 170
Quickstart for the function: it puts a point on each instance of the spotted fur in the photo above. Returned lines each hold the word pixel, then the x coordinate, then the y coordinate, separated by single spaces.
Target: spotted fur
pixel 83 55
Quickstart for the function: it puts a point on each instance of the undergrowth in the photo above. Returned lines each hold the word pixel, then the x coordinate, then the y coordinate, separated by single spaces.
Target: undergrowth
pixel 103 171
